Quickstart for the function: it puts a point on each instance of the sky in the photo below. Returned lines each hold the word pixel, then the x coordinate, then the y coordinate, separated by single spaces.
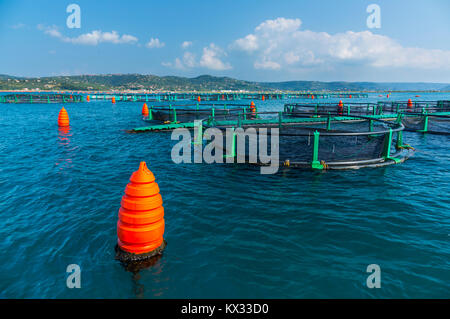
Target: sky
pixel 255 40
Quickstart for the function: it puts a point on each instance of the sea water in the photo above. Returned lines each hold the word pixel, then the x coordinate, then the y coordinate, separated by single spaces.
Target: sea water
pixel 231 232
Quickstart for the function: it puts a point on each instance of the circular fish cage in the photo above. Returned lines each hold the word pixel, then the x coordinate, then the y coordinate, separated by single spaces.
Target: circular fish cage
pixel 434 123
pixel 364 109
pixel 41 98
pixel 337 109
pixel 191 112
pixel 414 106
pixel 311 142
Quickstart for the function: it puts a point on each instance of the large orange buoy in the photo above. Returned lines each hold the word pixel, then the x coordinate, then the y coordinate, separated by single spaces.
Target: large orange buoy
pixel 199 98
pixel 253 107
pixel 340 108
pixel 113 100
pixel 140 228
pixel 88 98
pixel 145 111
pixel 410 104
pixel 63 118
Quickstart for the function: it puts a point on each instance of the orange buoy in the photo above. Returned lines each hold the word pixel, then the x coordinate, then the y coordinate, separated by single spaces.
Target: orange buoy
pixel 199 98
pixel 140 228
pixel 253 109
pixel 312 96
pixel 145 111
pixel 63 118
pixel 263 98
pixel 350 96
pixel 387 96
pixel 88 98
pixel 340 108
pixel 410 104
pixel 113 100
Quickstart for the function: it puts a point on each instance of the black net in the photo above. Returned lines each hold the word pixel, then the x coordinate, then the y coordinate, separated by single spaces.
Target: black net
pixel 40 98
pixel 350 148
pixel 348 142
pixel 190 115
pixel 358 109
pixel 192 112
pixel 438 124
pixel 414 106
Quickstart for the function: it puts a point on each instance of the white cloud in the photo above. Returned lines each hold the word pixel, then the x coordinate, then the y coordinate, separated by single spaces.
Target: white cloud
pixel 186 44
pixel 280 44
pixel 270 65
pixel 155 43
pixel 18 26
pixel 211 58
pixel 92 38
pixel 186 62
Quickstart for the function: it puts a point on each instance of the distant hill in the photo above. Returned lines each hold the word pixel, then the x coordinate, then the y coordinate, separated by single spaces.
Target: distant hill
pixel 200 83
pixel 355 86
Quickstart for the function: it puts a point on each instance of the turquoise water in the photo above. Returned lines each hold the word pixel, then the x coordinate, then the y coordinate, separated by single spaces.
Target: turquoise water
pixel 231 232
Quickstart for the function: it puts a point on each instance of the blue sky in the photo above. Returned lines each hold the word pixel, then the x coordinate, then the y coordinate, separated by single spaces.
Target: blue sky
pixel 249 39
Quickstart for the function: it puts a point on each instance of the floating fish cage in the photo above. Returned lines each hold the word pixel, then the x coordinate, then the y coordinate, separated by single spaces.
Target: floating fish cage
pixel 326 142
pixel 424 122
pixel 359 109
pixel 414 106
pixel 363 109
pixel 160 97
pixel 422 116
pixel 191 112
pixel 327 95
pixel 40 98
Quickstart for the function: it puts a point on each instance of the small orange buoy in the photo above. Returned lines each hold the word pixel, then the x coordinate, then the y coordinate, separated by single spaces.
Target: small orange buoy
pixel 387 96
pixel 113 100
pixel 63 118
pixel 410 104
pixel 253 108
pixel 145 111
pixel 140 228
pixel 312 96
pixel 199 98
pixel 350 96
pixel 263 98
pixel 340 108
pixel 88 98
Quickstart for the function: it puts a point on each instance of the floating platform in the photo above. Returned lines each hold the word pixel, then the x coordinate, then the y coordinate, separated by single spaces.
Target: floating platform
pixel 162 127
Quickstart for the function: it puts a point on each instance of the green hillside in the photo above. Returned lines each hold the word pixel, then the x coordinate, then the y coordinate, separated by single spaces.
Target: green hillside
pixel 200 83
